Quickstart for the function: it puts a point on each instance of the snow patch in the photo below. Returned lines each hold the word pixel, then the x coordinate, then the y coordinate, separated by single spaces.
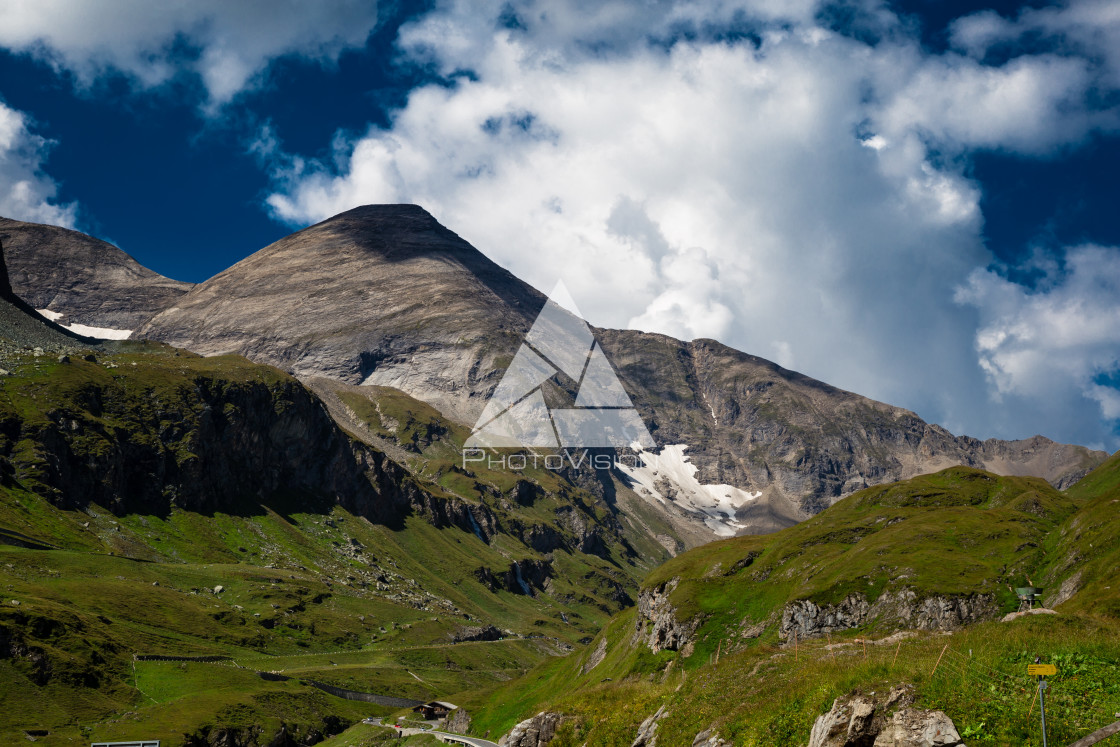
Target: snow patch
pixel 101 333
pixel 717 504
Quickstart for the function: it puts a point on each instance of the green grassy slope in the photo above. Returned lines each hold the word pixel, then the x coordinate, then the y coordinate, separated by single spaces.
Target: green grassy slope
pixel 1083 565
pixel 109 549
pixel 957 532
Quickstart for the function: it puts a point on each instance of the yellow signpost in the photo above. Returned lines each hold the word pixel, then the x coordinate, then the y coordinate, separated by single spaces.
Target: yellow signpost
pixel 1040 671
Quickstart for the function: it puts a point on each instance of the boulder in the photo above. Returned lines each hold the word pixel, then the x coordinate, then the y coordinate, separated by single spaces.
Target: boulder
pixel 533 732
pixel 912 727
pixel 458 721
pixel 882 720
pixel 708 739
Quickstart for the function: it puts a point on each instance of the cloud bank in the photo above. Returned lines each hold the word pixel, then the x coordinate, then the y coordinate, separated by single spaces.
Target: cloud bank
pixel 746 173
pixel 227 45
pixel 756 171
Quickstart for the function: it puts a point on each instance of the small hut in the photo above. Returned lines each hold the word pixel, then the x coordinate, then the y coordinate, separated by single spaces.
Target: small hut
pixel 434 710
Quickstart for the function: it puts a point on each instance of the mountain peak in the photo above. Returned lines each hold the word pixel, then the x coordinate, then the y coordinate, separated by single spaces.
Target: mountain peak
pixel 75 278
pixel 380 294
pixel 22 326
pixel 393 232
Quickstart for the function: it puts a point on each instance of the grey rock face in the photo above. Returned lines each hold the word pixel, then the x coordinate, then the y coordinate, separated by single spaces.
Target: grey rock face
pixel 86 280
pixel 912 727
pixel 596 657
pixel 380 294
pixel 708 739
pixel 901 609
pixel 657 624
pixel 525 577
pixel 22 328
pixel 882 720
pixel 647 731
pixel 537 731
pixel 476 633
pixel 808 620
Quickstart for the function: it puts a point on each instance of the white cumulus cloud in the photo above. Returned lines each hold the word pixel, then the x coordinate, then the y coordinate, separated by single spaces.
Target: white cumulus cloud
pixel 799 186
pixel 734 169
pixel 226 44
pixel 1051 344
pixel 1090 28
pixel 26 193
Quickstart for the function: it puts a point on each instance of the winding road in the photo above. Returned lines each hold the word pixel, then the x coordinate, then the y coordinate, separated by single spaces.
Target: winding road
pixel 451 738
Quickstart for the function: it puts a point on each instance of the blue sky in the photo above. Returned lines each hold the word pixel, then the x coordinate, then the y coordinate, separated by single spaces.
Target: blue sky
pixel 911 200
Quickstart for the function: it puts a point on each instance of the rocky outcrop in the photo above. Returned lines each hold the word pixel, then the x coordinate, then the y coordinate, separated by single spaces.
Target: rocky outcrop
pixel 595 658
pixel 647 730
pixel 899 609
pixel 537 731
pixel 525 577
pixel 806 619
pixel 657 625
pixel 882 720
pixel 476 633
pixel 202 442
pixel 458 721
pixel 588 536
pixel 913 727
pixel 476 518
pixel 82 279
pixel 708 738
pixel 542 537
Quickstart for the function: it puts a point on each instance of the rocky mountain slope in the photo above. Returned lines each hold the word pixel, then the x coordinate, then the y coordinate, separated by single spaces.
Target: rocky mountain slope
pixel 802 443
pixel 22 328
pixel 378 295
pixel 384 295
pixel 76 279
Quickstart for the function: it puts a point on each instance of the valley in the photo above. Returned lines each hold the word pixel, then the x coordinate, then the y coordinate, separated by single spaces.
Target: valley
pixel 261 495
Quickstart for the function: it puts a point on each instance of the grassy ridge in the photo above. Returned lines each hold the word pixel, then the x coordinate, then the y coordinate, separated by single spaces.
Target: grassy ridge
pixel 956 532
pixel 1084 556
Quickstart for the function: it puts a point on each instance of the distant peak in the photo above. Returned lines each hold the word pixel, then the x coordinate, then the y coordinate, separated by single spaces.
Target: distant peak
pixel 383 212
